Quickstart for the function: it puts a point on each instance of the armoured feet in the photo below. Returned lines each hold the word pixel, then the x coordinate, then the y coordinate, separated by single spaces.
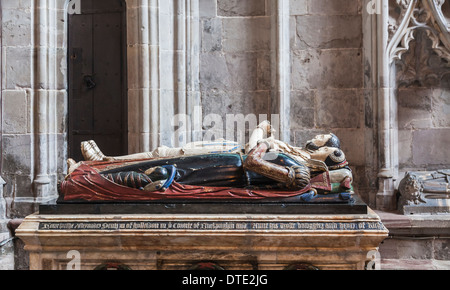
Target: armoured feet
pixel 91 152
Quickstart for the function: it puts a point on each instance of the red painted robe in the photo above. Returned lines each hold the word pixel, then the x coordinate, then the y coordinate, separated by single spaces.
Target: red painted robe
pixel 87 184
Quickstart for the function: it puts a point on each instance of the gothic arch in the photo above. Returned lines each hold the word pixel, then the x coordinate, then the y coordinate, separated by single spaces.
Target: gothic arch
pixel 416 15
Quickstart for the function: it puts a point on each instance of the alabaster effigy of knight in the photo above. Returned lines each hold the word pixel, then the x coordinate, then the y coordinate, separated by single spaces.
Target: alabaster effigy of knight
pixel 265 168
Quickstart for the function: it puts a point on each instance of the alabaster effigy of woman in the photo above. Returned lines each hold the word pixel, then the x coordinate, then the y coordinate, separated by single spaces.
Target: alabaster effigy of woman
pixel 266 168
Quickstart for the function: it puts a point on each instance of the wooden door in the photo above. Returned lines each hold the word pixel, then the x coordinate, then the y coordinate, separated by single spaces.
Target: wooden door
pixel 97 77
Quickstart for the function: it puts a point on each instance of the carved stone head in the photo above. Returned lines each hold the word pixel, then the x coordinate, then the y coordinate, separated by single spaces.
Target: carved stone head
pixel 324 140
pixel 410 189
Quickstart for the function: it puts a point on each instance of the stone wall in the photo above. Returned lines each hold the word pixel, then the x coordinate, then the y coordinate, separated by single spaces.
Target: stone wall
pixel 235 70
pixel 326 71
pixel 328 80
pixel 16 48
pixel 6 250
pixel 423 108
pixel 235 77
pixel 221 55
pixel 30 158
pixel 328 77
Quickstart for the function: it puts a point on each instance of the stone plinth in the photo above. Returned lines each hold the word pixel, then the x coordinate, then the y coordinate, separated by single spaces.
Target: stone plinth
pixel 416 242
pixel 154 242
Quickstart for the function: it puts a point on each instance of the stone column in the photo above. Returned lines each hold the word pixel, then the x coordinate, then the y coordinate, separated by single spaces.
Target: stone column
pixel 380 87
pixel 280 66
pixel 43 94
pixel 387 112
pixel 163 63
pixel 192 53
pixel 186 37
pixel 143 81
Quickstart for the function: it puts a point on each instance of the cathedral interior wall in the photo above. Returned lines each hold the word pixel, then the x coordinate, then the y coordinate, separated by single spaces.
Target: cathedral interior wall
pixel 231 56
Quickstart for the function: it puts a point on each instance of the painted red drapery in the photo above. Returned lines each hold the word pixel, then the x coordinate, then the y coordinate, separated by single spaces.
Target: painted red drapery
pixel 85 183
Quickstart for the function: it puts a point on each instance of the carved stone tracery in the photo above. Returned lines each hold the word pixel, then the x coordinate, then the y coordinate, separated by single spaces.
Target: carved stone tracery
pixel 406 17
pixel 421 65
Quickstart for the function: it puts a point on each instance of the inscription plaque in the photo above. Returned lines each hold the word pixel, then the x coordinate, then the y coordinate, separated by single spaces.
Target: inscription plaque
pixel 211 226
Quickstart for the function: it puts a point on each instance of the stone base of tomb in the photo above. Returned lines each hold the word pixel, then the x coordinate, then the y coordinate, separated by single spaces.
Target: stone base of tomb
pixel 183 242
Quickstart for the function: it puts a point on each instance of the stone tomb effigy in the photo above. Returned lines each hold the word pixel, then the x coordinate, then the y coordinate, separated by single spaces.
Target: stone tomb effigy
pixel 271 206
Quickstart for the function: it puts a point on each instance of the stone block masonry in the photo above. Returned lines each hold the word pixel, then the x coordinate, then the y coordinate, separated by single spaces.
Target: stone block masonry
pixel 235 57
pixel 233 74
pixel 29 134
pixel 327 81
pixel 315 61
